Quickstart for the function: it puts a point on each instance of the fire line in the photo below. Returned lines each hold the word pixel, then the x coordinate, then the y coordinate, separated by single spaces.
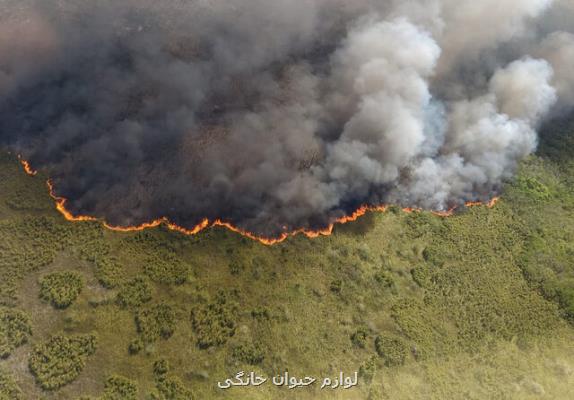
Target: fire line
pixel 204 224
pixel 26 165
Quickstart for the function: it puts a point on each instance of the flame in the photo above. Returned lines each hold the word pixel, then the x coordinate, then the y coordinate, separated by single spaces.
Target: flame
pixel 309 233
pixel 144 226
pixel 61 206
pixel 27 167
pixel 204 224
pixel 492 202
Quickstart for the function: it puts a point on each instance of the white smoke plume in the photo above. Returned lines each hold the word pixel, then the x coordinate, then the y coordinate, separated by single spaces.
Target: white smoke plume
pixel 558 49
pixel 277 115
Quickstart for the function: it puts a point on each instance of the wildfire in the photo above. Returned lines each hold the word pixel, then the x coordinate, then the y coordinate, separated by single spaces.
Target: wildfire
pixel 61 207
pixel 27 167
pixel 309 233
pixel 492 202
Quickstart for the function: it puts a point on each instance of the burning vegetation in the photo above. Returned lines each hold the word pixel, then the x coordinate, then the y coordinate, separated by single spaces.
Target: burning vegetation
pixel 361 211
pixel 274 119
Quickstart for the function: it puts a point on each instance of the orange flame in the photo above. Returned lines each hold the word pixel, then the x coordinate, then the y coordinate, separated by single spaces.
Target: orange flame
pixel 61 206
pixel 361 211
pixel 492 202
pixel 27 167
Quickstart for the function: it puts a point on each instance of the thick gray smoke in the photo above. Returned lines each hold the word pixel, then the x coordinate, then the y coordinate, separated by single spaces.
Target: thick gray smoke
pixel 276 115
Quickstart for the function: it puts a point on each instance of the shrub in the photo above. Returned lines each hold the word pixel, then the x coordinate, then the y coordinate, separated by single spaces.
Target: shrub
pixel 59 360
pixel 532 187
pixel 392 350
pixel 421 275
pixel 336 286
pixel 109 272
pixel 248 353
pixel 236 267
pixel 434 256
pixel 167 268
pixel 384 279
pixel 171 388
pixel 168 388
pixel 214 323
pixel 394 209
pixel 368 369
pixel 565 296
pixel 260 314
pixel 258 266
pixel 364 253
pixel 359 338
pixel 14 330
pixel 89 241
pixel 61 288
pixel 136 346
pixel 160 369
pixel 26 244
pixel 9 390
pixel 156 322
pixel 119 388
pixel 134 293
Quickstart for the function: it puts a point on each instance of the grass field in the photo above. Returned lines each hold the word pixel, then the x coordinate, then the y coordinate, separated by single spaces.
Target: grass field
pixel 475 306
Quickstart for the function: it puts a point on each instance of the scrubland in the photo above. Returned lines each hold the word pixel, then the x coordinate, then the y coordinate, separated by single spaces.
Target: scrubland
pixel 479 305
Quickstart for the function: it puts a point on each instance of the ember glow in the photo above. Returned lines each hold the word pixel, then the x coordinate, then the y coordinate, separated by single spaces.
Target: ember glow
pixel 361 211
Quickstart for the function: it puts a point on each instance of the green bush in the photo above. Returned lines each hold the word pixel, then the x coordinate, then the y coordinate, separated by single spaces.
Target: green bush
pixel 214 323
pixel 434 256
pixel 61 288
pixel 9 390
pixel 167 387
pixel 60 359
pixel 393 209
pixel 258 267
pixel 156 322
pixel 119 388
pixel 248 353
pixel 166 268
pixel 368 369
pixel 261 314
pixel 532 187
pixel 236 267
pixel 171 388
pixel 14 330
pixel 26 245
pixel 136 346
pixel 392 350
pixel 336 286
pixel 134 293
pixel 565 296
pixel 384 279
pixel 109 272
pixel 418 322
pixel 26 198
pixel 420 223
pixel 160 369
pixel 421 275
pixel 359 338
pixel 364 253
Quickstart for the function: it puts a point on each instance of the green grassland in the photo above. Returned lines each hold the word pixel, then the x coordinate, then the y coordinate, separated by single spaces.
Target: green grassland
pixel 475 306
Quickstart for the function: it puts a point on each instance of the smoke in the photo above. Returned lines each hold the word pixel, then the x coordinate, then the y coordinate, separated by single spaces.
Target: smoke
pixel 558 49
pixel 277 115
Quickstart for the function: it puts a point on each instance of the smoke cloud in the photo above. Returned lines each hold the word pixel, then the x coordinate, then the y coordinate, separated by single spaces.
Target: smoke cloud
pixel 276 115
